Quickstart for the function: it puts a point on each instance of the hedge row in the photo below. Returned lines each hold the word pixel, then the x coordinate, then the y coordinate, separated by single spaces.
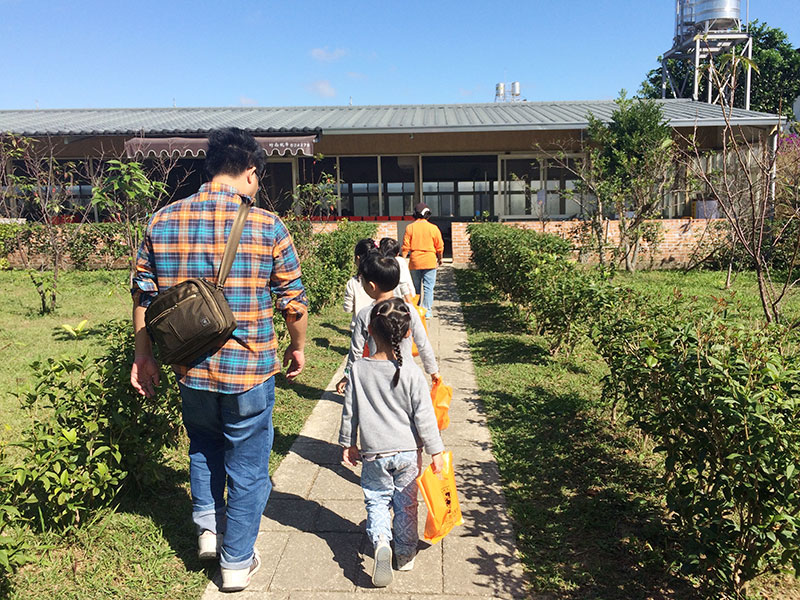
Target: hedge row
pixel 85 246
pixel 720 396
pixel 327 259
pixel 534 273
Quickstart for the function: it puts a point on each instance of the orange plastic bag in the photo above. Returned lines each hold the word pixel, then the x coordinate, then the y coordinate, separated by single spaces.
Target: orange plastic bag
pixel 421 311
pixel 441 396
pixel 441 498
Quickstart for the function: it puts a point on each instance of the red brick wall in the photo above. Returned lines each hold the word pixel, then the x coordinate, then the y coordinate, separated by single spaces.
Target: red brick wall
pixel 385 228
pixel 681 239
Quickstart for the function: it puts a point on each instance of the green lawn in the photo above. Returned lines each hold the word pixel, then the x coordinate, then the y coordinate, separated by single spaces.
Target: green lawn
pixel 704 287
pixel 146 548
pixel 26 336
pixel 584 493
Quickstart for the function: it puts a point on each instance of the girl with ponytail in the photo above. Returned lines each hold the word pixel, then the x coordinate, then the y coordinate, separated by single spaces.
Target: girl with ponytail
pixel 387 405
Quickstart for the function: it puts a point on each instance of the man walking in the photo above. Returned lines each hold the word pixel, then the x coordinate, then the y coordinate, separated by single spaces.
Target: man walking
pixel 424 246
pixel 227 394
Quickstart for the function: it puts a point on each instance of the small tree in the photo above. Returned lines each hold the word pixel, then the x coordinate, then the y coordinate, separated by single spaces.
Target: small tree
pixel 38 185
pixel 629 167
pixel 131 197
pixel 318 198
pixel 755 192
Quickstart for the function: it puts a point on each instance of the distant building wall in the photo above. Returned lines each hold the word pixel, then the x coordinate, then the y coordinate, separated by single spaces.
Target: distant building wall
pixel 682 239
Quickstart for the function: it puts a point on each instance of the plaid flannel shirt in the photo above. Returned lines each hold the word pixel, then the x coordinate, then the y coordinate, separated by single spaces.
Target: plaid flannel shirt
pixel 186 239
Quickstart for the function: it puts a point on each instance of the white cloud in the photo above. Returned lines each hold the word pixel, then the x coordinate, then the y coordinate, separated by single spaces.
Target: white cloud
pixel 325 55
pixel 356 75
pixel 322 87
pixel 245 101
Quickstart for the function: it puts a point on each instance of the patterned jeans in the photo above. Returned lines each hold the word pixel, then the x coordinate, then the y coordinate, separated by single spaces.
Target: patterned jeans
pixel 391 481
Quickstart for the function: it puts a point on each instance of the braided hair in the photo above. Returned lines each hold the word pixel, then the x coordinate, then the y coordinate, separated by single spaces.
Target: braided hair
pixel 390 320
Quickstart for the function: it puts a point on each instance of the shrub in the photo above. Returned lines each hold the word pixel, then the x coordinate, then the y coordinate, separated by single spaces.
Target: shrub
pixel 329 262
pixel 721 399
pixel 72 461
pixel 91 433
pixel 13 548
pixel 534 272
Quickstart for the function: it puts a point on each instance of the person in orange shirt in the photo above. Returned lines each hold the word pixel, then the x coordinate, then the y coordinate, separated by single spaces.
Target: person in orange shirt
pixel 423 245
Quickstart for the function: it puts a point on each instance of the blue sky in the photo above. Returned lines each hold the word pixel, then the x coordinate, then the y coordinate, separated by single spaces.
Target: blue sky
pixel 142 53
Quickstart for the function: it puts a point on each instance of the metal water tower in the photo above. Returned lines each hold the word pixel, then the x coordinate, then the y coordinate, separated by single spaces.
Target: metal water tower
pixel 504 92
pixel 705 29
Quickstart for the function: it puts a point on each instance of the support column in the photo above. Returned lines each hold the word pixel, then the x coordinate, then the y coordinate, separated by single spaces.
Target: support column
pixel 696 92
pixel 338 190
pixel 749 69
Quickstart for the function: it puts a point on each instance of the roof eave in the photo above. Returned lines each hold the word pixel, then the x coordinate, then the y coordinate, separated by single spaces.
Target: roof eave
pixel 540 127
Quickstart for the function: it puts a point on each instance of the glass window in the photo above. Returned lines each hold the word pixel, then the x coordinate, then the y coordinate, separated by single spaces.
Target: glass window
pixel 448 179
pixel 359 176
pixel 466 205
pixel 446 205
pixel 561 183
pixel 396 206
pixel 522 183
pixel 361 206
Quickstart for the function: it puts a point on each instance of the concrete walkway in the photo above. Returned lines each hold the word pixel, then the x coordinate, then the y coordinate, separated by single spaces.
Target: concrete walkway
pixel 312 539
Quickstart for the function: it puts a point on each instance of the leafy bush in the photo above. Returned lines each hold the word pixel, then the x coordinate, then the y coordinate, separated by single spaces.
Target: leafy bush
pixel 328 262
pixel 91 433
pixel 534 272
pixel 13 549
pixel 721 398
pixel 86 243
pixel 72 462
pixel 9 233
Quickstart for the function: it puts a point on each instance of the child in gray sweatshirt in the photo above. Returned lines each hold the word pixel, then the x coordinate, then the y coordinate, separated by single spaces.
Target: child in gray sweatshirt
pixel 387 404
pixel 379 276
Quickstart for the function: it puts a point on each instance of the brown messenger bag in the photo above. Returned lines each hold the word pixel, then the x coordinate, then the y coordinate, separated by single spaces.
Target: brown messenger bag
pixel 192 318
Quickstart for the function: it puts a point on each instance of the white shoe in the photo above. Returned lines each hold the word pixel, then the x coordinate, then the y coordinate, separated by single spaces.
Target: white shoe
pixel 208 545
pixel 382 569
pixel 405 562
pixel 235 580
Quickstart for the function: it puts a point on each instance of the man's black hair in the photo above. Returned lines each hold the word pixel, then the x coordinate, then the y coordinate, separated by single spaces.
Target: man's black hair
pixel 383 271
pixel 389 247
pixel 232 151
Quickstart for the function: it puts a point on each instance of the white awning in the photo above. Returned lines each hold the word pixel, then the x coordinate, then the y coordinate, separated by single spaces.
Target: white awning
pixel 196 147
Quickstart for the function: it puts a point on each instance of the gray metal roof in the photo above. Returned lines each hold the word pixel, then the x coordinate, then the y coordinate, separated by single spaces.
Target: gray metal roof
pixel 338 120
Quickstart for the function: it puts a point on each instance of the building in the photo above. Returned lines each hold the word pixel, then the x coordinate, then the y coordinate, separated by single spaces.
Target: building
pixel 465 160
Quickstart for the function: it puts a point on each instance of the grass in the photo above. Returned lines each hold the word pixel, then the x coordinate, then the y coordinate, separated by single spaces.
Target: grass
pixel 146 547
pixel 704 287
pixel 584 494
pixel 27 336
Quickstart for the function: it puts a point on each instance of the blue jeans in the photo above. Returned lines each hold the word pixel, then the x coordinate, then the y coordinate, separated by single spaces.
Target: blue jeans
pixel 230 438
pixel 391 482
pixel 424 281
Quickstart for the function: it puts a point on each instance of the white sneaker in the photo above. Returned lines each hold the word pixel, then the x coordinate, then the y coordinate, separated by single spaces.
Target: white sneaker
pixel 382 569
pixel 208 545
pixel 235 580
pixel 405 562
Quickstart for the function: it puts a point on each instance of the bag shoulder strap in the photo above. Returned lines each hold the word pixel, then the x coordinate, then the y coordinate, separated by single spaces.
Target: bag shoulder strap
pixel 232 245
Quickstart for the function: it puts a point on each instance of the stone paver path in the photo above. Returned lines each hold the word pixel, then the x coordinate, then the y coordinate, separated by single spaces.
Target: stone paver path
pixel 312 539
